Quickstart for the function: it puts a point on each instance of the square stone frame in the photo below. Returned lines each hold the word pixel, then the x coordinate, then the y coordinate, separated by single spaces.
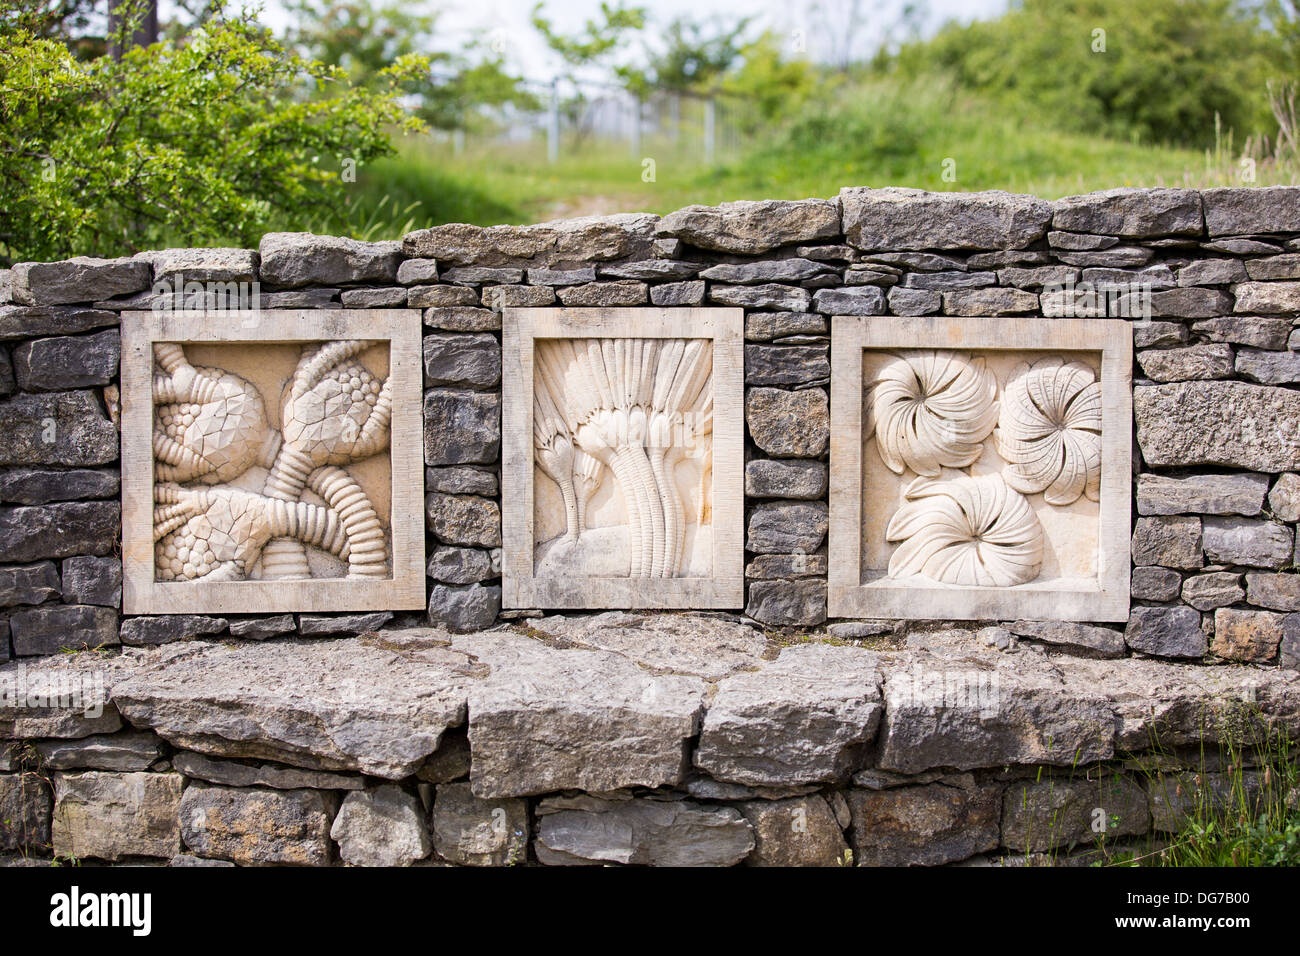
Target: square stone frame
pixel 401 329
pixel 521 588
pixel 848 597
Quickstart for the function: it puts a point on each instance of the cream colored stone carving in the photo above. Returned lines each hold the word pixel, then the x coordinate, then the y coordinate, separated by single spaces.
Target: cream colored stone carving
pixel 211 428
pixel 932 409
pixel 1049 431
pixel 966 531
pixel 630 409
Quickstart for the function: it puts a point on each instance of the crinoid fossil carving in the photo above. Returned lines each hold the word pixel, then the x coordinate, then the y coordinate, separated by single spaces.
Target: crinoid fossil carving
pixel 931 409
pixel 210 429
pixel 966 531
pixel 1049 432
pixel 634 409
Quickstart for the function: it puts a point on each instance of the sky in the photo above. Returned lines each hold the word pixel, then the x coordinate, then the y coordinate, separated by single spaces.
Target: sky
pixel 815 26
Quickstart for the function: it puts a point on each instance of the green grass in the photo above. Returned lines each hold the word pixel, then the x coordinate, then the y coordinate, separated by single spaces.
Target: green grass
pixel 876 134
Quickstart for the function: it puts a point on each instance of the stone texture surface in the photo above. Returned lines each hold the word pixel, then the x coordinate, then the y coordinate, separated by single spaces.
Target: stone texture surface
pixel 1233 424
pixel 787 603
pixel 749 228
pixel 927 825
pixel 56 428
pixel 256 827
pixel 1279 592
pixel 108 816
pixel 38 486
pixel 53 628
pixel 574 719
pixel 1171 542
pixel 66 362
pixel 1205 592
pixel 235 773
pixel 478 832
pixel 92 580
pixel 381 827
pixel 801 831
pixel 1131 212
pixel 699 644
pixel 990 716
pixel 311 704
pixel 787 527
pixel 473 360
pixel 1242 211
pixel 789 424
pixel 461 427
pixel 121 752
pixel 28 583
pixel 807 717
pixel 166 628
pixel 82 279
pixel 464 519
pixel 767 478
pixel 893 218
pixel 464 608
pixel 1246 635
pixel 1045 814
pixel 1254 542
pixel 293 259
pixel 645 832
pixel 1201 494
pixel 58 530
pixel 1079 638
pixel 26 805
pixel 1165 632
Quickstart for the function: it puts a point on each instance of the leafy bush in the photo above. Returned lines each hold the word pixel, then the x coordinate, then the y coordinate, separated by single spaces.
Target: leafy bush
pixel 199 141
pixel 1160 70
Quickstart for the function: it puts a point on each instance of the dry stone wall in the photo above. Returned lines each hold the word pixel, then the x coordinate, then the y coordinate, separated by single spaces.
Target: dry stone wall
pixel 452 763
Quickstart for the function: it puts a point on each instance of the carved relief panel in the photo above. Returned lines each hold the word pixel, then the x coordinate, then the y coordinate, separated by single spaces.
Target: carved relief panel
pixel 612 422
pixel 980 468
pixel 264 466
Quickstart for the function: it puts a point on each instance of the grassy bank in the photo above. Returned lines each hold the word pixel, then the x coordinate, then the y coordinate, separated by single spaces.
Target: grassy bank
pixel 877 134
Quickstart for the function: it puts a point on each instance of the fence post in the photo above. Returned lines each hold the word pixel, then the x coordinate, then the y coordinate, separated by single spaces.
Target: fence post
pixel 710 124
pixel 553 123
pixel 634 136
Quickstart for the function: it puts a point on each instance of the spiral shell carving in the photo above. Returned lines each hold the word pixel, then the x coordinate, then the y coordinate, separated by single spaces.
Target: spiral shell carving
pixel 931 410
pixel 1049 431
pixel 966 531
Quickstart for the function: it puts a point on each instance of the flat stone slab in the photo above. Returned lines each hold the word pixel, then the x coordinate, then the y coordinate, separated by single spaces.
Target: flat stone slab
pixel 549 719
pixel 806 717
pixel 696 644
pixel 378 706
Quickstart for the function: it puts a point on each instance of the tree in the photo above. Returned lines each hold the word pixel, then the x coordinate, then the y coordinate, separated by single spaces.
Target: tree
pixel 363 39
pixel 1094 65
pixel 694 54
pixel 200 141
pixel 598 40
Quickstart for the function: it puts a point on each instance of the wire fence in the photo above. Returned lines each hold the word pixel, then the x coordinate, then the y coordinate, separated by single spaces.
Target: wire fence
pixel 573 119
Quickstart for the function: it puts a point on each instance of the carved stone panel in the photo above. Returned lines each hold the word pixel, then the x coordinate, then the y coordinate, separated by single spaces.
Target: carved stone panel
pixel 622 458
pixel 980 468
pixel 265 466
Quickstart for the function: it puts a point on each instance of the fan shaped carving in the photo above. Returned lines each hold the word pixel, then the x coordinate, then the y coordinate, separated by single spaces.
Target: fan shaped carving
pixel 966 531
pixel 1049 431
pixel 932 409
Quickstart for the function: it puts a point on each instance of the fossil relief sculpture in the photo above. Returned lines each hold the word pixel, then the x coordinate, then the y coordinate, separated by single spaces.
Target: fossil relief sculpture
pixel 966 517
pixel 622 427
pixel 236 498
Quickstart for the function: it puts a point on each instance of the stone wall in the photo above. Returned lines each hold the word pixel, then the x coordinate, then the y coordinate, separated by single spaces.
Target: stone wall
pixel 1214 543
